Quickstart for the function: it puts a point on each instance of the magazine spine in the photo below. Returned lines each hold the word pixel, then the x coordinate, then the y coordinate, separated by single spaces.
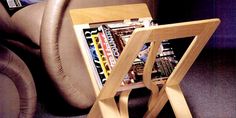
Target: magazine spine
pixel 101 58
pixel 88 37
pixel 111 41
pixel 107 50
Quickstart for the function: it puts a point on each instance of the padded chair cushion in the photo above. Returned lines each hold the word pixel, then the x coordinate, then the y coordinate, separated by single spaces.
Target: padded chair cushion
pixel 17 89
pixel 9 100
pixel 27 21
pixel 5 21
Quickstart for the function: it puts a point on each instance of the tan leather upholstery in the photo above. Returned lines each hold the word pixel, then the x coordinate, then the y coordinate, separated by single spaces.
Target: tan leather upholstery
pixel 17 89
pixel 29 25
pixel 59 47
pixel 9 100
pixel 27 21
pixel 5 21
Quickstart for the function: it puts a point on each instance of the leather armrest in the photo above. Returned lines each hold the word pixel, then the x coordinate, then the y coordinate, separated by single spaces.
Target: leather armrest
pixel 17 89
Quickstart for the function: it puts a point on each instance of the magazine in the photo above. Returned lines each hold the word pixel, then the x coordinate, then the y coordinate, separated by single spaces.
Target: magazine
pixel 12 6
pixel 106 42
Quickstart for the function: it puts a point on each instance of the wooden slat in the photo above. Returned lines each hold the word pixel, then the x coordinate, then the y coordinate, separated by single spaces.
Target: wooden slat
pixel 109 108
pixel 123 104
pixel 158 105
pixel 178 30
pixel 149 64
pixel 105 108
pixel 109 13
pixel 178 102
pixel 94 111
pixel 192 52
pixel 148 71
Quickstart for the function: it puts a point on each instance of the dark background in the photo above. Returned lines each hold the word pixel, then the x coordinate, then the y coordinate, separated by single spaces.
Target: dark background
pixel 170 11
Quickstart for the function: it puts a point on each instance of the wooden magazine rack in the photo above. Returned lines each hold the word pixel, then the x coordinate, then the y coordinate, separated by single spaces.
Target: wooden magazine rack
pixel 105 105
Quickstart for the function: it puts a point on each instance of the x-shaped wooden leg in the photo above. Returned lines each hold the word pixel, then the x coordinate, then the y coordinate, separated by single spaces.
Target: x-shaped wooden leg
pixel 171 90
pixel 105 104
pixel 177 100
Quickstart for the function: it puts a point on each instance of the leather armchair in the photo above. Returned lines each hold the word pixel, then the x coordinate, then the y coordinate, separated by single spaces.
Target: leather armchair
pixel 48 27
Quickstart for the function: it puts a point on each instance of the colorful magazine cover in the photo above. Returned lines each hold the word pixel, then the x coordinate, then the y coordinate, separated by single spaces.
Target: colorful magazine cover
pixel 106 43
pixel 88 37
pixel 12 6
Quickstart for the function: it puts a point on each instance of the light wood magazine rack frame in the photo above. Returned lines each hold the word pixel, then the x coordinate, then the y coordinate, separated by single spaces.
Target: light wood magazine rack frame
pixel 105 105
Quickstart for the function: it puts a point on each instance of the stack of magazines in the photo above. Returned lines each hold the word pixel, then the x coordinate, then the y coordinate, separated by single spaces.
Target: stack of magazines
pixel 106 42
